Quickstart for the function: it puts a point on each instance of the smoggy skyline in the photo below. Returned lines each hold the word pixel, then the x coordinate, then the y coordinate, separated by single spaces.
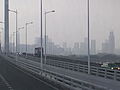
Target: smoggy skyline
pixel 69 22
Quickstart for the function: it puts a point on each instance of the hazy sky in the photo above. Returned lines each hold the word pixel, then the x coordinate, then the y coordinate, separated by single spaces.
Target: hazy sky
pixel 69 22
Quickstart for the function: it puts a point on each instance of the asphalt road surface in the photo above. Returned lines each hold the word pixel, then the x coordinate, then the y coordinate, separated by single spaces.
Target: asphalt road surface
pixel 3 85
pixel 18 80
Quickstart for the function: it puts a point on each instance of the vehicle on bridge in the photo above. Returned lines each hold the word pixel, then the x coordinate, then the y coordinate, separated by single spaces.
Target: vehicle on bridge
pixel 38 51
pixel 114 66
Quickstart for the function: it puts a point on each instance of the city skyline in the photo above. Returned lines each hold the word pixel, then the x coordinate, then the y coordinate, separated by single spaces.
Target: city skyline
pixel 79 48
pixel 59 44
pixel 63 26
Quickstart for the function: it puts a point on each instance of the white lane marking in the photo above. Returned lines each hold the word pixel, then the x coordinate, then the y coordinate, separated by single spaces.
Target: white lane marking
pixel 36 78
pixel 6 83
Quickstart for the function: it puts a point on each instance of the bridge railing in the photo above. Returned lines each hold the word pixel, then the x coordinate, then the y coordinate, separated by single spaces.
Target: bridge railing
pixel 97 71
pixel 73 83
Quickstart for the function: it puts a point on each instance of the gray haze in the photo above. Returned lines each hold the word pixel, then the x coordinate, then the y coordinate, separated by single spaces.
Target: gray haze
pixel 69 22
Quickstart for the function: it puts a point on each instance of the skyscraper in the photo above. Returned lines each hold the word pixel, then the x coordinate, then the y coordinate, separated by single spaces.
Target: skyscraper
pixel 105 47
pixel 111 43
pixel 84 47
pixel 76 48
pixel 65 45
pixel 93 47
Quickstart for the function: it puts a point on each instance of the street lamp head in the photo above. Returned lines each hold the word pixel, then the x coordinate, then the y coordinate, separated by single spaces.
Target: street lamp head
pixel 29 23
pixel 53 10
pixel 14 11
pixel 21 28
pixel 49 11
pixel 1 22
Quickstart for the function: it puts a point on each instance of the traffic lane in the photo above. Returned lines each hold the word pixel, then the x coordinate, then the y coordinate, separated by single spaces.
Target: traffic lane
pixel 55 85
pixel 3 86
pixel 19 80
pixel 114 85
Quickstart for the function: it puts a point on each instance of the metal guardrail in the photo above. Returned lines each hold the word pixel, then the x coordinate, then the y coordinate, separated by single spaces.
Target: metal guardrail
pixel 97 71
pixel 63 79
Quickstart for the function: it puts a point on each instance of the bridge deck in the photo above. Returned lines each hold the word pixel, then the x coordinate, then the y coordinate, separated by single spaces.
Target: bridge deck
pixel 3 85
pixel 111 84
pixel 19 79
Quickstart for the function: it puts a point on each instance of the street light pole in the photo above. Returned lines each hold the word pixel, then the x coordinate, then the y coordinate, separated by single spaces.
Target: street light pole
pixel 41 39
pixel 45 31
pixel 19 38
pixel 16 34
pixel 16 28
pixel 26 34
pixel 45 36
pixel 13 42
pixel 1 22
pixel 1 39
pixel 88 4
pixel 6 26
pixel 11 45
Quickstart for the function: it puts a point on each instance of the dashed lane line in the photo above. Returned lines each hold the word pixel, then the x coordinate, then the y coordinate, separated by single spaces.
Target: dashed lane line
pixel 6 82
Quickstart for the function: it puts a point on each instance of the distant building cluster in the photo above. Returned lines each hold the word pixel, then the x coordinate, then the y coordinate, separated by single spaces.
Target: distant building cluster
pixel 79 48
pixel 108 47
pixel 51 47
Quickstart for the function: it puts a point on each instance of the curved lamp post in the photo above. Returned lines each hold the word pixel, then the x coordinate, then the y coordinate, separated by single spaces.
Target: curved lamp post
pixel 45 31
